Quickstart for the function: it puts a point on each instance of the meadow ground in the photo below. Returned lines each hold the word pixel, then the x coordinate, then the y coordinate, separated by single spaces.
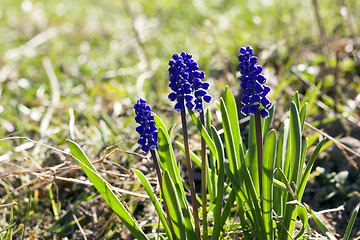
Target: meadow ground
pixel 73 70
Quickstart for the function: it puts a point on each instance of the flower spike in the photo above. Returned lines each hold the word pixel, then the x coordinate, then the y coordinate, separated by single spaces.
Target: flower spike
pixel 186 79
pixel 252 84
pixel 147 129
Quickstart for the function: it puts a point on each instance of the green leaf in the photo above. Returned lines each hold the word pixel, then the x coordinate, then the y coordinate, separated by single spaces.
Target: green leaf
pixel 220 184
pixel 268 169
pixel 302 159
pixel 167 161
pixel 174 206
pixel 296 100
pixel 301 210
pixel 303 112
pixel 266 123
pixel 154 201
pixel 321 225
pixel 280 185
pixel 230 106
pixel 253 200
pixel 212 186
pixel 232 149
pixel 104 189
pixel 203 132
pixel 293 156
pixel 351 223
pixel 252 162
pixel 310 163
pixel 241 201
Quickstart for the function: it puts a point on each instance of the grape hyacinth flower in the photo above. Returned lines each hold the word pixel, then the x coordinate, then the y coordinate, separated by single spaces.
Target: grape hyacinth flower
pixel 148 141
pixel 185 78
pixel 252 83
pixel 147 129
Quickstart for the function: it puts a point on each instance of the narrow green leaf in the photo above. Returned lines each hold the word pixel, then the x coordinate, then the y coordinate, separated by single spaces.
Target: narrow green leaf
pixel 154 201
pixel 203 132
pixel 280 185
pixel 278 194
pixel 268 169
pixel 103 187
pixel 241 201
pixel 302 159
pixel 295 143
pixel 296 100
pixel 351 223
pixel 252 162
pixel 303 112
pixel 230 105
pixel 167 162
pixel 266 123
pixel 301 210
pixel 212 186
pixel 310 163
pixel 174 206
pixel 293 156
pixel 321 225
pixel 253 200
pixel 232 149
pixel 220 184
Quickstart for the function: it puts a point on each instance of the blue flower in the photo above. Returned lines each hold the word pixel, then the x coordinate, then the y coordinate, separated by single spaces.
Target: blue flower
pixel 252 84
pixel 186 79
pixel 147 129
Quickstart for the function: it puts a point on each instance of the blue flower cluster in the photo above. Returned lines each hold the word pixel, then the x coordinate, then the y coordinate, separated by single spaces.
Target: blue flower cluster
pixel 252 83
pixel 147 129
pixel 185 78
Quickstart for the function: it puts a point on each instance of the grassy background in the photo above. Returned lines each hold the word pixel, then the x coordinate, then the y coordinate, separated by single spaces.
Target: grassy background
pixel 73 69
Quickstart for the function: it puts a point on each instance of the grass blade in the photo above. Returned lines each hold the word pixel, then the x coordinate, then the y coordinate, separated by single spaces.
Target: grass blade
pixel 351 223
pixel 321 225
pixel 154 201
pixel 103 187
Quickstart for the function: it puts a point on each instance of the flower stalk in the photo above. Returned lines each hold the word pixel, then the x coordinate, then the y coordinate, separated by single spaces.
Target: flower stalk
pixel 190 173
pixel 159 176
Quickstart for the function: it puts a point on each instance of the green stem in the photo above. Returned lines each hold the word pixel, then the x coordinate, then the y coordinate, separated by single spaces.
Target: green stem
pixel 159 175
pixel 203 180
pixel 191 178
pixel 53 204
pixel 259 143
